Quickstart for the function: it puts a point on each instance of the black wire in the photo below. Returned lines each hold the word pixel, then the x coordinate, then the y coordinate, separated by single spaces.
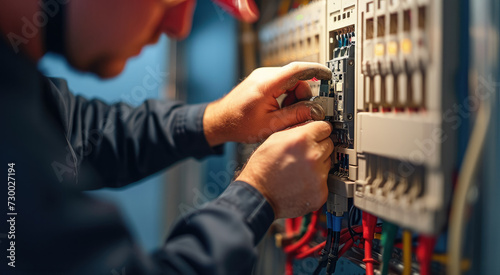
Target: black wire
pixel 323 258
pixel 349 223
pixel 333 255
pixel 358 216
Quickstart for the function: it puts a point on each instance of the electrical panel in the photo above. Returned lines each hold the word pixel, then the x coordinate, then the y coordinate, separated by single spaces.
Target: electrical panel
pixel 341 59
pixel 393 68
pixel 406 147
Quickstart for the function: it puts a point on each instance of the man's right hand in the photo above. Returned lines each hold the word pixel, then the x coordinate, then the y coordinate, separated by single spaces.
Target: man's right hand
pixel 291 169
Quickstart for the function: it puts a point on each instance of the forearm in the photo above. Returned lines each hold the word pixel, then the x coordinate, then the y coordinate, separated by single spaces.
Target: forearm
pixel 123 143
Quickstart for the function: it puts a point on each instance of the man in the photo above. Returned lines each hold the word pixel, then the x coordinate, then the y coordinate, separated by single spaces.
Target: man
pixel 55 144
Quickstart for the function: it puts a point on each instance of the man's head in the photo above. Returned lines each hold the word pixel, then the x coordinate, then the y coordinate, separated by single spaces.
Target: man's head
pixel 102 35
pixel 99 36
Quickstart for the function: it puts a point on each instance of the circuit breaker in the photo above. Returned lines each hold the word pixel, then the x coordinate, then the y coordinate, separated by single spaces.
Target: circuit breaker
pixel 393 66
pixel 406 150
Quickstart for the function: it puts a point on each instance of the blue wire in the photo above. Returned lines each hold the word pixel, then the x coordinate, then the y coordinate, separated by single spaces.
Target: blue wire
pixel 329 220
pixel 337 223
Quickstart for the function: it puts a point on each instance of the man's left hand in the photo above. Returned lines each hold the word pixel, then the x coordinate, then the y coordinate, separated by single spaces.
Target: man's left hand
pixel 250 112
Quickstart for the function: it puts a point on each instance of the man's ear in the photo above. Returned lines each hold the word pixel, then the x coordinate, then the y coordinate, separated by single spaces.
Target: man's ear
pixel 178 19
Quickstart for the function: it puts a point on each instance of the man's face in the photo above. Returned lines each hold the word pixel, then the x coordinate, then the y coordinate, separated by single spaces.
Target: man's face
pixel 102 35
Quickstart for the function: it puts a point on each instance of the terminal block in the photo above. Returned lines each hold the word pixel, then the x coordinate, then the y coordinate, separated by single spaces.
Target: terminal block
pixel 342 90
pixel 406 150
pixel 341 59
pixel 336 96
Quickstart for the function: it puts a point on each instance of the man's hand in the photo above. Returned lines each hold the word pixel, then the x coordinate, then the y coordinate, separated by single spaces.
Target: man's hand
pixel 291 168
pixel 250 113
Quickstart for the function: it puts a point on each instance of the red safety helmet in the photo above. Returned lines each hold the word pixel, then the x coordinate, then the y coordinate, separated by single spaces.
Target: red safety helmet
pixel 245 10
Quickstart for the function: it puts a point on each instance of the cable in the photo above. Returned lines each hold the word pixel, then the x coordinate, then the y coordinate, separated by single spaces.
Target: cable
pixel 309 252
pixel 352 214
pixel 349 242
pixel 389 231
pixel 424 253
pixel 289 265
pixel 311 231
pixel 322 262
pixel 334 251
pixel 333 255
pixel 369 223
pixel 443 259
pixel 465 177
pixel 303 224
pixel 407 252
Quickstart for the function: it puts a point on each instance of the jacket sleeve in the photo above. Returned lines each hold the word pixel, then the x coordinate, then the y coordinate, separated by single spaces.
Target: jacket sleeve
pixel 219 238
pixel 78 234
pixel 125 143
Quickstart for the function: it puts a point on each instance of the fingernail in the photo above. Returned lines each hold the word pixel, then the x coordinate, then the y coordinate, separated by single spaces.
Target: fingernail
pixel 326 74
pixel 317 112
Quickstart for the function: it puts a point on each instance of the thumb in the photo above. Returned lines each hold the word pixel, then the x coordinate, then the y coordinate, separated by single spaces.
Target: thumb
pixel 297 113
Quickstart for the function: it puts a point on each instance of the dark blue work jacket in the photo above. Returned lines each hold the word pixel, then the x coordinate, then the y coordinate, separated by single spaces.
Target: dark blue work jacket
pixel 60 144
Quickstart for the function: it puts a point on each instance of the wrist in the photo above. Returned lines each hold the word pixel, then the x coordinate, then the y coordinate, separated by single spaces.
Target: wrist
pixel 213 125
pixel 261 189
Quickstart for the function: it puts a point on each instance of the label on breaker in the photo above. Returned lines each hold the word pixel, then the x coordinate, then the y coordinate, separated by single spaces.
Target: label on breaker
pixel 339 87
pixel 406 45
pixel 379 49
pixel 392 48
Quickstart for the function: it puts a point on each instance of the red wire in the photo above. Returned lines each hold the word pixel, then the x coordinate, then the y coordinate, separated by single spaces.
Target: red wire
pixel 303 250
pixel 288 227
pixel 368 257
pixel 424 253
pixel 297 222
pixel 347 246
pixel 289 265
pixel 310 251
pixel 369 223
pixel 292 226
pixel 311 231
pixel 345 238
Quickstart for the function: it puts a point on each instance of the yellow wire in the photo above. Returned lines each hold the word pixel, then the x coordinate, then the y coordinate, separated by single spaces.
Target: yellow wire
pixel 407 252
pixel 459 204
pixel 443 259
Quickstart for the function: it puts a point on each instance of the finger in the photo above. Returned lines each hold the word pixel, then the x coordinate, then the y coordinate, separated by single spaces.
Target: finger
pixel 327 166
pixel 302 90
pixel 319 130
pixel 289 99
pixel 295 114
pixel 298 125
pixel 326 148
pixel 328 163
pixel 292 73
